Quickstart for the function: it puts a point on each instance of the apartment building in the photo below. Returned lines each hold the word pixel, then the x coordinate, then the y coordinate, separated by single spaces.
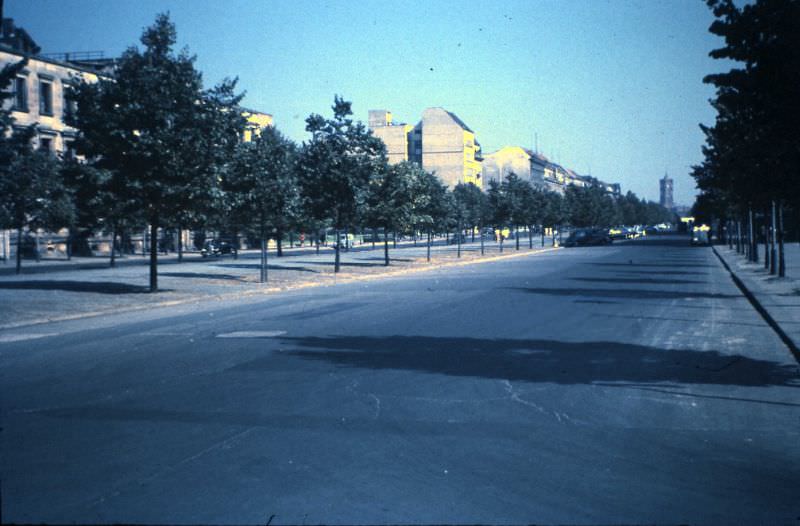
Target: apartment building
pixel 441 143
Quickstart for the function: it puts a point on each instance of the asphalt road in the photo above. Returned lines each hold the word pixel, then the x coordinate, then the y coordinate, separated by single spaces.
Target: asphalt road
pixel 622 384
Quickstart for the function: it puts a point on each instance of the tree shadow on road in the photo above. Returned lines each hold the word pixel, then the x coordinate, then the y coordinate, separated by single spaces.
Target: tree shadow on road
pixel 256 266
pixel 624 294
pixel 201 275
pixel 633 265
pixel 639 281
pixel 539 360
pixel 102 287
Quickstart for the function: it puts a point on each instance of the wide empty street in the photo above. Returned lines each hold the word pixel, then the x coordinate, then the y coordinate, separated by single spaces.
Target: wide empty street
pixel 632 383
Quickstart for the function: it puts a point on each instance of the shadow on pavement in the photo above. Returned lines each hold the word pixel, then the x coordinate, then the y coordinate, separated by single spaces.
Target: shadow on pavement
pixel 342 263
pixel 659 272
pixel 549 361
pixel 256 266
pixel 103 287
pixel 621 293
pixel 200 275
pixel 633 264
pixel 640 281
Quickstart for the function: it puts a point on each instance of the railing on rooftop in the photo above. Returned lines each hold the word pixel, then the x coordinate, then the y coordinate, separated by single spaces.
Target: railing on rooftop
pixel 73 56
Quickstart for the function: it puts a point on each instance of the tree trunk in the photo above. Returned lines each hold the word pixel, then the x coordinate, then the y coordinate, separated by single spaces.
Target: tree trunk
pixel 264 267
pixel 154 255
pixel 374 235
pixel 753 239
pixel 530 237
pixel 781 260
pixel 385 247
pixel 773 232
pixel 336 244
pixel 500 237
pixel 291 238
pixel 542 227
pixel 236 244
pixel 37 252
pixel 429 246
pixel 69 245
pixel 730 235
pixel 458 240
pixel 279 243
pixel 765 229
pixel 481 234
pixel 180 245
pixel 739 241
pixel 112 262
pixel 394 239
pixel 516 236
pixel 19 250
pixel 473 233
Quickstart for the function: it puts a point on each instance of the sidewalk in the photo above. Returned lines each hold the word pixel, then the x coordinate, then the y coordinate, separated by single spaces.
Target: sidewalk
pixel 30 266
pixel 62 293
pixel 779 297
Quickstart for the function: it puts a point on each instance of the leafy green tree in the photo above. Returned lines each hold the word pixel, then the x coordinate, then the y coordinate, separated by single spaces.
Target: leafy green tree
pixel 261 187
pixel 473 202
pixel 394 199
pixel 433 208
pixel 500 208
pixel 336 166
pixel 157 131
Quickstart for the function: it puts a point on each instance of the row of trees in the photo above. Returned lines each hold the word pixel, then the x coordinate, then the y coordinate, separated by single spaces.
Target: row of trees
pixel 161 151
pixel 748 179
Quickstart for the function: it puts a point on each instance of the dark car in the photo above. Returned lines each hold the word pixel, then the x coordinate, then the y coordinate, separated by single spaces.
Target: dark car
pixel 587 237
pixel 217 247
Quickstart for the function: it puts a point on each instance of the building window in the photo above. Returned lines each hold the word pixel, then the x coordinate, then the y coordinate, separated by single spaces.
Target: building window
pixel 20 94
pixel 69 104
pixel 45 97
pixel 69 150
pixel 46 144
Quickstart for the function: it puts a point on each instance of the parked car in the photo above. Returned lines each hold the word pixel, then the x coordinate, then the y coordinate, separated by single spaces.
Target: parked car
pixel 700 236
pixel 217 247
pixel 587 237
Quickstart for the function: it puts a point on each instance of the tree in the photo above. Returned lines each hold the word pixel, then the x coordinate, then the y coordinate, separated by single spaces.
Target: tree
pixel 157 131
pixel 433 210
pixel 752 151
pixel 500 208
pixel 261 187
pixel 336 166
pixel 473 202
pixel 393 201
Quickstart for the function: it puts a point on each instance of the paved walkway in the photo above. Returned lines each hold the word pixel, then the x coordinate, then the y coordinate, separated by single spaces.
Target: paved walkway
pixel 780 297
pixel 60 291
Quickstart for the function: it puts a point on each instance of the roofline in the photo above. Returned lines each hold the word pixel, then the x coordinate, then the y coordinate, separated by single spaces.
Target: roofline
pixel 40 58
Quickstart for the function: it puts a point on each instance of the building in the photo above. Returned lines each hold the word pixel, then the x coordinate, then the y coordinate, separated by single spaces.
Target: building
pixel 256 121
pixel 40 90
pixel 441 143
pixel 665 194
pixel 538 170
pixel 396 136
pixel 526 164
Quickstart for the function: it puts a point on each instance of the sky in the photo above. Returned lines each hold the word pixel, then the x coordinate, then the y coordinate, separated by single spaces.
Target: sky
pixel 611 88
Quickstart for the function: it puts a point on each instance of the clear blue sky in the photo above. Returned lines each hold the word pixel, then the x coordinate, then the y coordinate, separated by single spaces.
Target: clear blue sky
pixel 610 87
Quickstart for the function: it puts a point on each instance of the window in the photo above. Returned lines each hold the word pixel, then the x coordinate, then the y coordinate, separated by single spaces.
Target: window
pixel 69 104
pixel 45 97
pixel 69 150
pixel 46 144
pixel 20 94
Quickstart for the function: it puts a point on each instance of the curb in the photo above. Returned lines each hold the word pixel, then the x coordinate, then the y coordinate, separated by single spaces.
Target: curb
pixel 272 290
pixel 787 340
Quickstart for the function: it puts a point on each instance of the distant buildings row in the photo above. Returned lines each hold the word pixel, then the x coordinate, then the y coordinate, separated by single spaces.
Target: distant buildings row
pixel 442 143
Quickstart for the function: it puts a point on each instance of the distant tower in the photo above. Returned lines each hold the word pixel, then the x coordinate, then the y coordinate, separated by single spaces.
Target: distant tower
pixel 666 192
